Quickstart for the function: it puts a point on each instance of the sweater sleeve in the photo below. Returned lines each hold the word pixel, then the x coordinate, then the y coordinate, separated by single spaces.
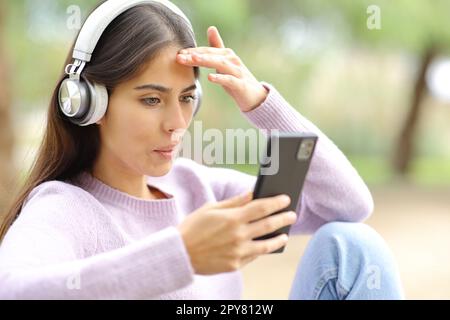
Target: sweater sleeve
pixel 40 261
pixel 333 190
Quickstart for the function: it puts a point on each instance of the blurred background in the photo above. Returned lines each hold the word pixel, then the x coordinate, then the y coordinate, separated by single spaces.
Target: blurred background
pixel 373 75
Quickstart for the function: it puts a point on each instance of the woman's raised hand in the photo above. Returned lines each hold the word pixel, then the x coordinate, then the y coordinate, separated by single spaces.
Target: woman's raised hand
pixel 231 73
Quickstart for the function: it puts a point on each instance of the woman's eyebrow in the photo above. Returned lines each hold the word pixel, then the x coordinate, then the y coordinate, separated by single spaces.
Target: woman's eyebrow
pixel 163 89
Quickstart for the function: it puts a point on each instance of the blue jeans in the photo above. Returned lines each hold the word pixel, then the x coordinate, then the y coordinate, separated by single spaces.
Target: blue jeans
pixel 346 260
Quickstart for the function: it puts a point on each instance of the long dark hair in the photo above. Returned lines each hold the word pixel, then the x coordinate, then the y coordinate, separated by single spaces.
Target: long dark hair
pixel 131 40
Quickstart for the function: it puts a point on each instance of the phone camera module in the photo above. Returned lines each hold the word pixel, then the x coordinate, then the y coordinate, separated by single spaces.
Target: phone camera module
pixel 305 150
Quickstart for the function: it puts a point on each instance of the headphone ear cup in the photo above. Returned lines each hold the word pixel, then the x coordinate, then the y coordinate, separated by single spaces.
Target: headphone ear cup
pixel 82 102
pixel 199 95
pixel 99 103
pixel 74 99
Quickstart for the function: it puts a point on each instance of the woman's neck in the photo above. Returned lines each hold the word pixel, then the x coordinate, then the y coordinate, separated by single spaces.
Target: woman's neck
pixel 125 181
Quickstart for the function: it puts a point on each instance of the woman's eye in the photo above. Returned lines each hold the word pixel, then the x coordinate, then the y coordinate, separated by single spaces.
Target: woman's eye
pixel 188 99
pixel 151 101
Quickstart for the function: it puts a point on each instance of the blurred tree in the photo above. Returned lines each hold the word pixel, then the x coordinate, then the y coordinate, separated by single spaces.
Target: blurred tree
pixel 421 28
pixel 6 129
pixel 404 151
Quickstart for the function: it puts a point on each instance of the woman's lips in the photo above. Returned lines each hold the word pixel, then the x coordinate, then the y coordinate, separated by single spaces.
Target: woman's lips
pixel 167 152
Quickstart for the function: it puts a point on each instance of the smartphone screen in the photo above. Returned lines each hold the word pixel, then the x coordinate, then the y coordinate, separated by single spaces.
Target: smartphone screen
pixel 283 170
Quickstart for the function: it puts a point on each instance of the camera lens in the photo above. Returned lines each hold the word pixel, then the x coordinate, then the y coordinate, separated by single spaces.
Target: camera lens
pixel 305 150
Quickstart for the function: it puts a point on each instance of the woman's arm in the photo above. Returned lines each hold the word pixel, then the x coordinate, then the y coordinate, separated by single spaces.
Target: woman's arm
pixel 40 261
pixel 333 189
pixel 145 269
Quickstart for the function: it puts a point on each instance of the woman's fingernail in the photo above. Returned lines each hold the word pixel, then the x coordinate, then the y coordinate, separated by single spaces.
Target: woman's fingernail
pixel 198 57
pixel 183 58
pixel 184 51
pixel 285 199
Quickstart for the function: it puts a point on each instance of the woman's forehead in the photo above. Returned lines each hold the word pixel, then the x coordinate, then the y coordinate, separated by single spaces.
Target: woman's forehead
pixel 164 69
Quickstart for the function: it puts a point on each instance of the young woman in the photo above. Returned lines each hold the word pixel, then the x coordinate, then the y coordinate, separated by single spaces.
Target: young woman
pixel 107 212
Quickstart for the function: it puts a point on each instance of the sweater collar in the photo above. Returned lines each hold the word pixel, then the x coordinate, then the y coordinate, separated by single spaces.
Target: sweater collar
pixel 106 193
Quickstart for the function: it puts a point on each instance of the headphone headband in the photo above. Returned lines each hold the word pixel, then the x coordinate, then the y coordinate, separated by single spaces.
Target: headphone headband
pixel 99 20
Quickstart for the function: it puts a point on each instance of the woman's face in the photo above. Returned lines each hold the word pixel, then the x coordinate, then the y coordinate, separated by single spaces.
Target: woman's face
pixel 147 113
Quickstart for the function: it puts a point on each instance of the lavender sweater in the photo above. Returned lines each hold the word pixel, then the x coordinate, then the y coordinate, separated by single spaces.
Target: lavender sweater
pixel 82 239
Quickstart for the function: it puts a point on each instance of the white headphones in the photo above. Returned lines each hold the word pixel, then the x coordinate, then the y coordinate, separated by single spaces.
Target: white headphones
pixel 83 102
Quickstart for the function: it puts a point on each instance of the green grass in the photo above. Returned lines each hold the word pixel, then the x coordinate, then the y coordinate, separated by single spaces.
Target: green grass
pixel 378 171
pixel 373 170
pixel 430 171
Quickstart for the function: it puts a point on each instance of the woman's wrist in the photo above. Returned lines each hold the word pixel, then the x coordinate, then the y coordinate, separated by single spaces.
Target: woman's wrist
pixel 260 98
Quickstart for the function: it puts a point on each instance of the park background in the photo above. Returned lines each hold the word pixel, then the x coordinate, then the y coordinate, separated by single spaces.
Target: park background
pixel 372 75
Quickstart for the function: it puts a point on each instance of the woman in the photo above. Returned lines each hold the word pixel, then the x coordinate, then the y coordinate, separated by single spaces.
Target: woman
pixel 106 214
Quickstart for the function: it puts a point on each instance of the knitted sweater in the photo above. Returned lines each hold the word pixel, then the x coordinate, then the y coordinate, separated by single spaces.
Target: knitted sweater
pixel 82 239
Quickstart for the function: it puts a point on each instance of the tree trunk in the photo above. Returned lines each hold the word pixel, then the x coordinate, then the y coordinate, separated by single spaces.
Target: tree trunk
pixel 6 128
pixel 405 145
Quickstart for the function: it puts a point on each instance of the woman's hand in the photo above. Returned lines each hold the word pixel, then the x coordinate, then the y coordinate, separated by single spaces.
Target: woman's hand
pixel 219 236
pixel 231 73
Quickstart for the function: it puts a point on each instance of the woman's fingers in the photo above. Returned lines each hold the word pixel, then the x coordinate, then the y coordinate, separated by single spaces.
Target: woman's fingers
pixel 235 201
pixel 228 53
pixel 263 207
pixel 211 50
pixel 214 61
pixel 214 38
pixel 205 50
pixel 260 247
pixel 270 224
pixel 224 60
pixel 230 82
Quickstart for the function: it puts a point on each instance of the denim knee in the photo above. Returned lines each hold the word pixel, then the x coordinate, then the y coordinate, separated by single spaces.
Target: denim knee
pixel 359 255
pixel 358 235
pixel 351 241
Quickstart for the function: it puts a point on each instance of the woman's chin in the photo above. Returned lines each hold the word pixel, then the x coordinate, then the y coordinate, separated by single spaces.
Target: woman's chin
pixel 160 169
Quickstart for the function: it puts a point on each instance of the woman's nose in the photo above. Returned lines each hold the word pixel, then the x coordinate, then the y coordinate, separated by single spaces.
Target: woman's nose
pixel 176 118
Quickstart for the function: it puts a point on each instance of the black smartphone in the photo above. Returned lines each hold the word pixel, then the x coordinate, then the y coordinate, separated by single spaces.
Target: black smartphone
pixel 283 170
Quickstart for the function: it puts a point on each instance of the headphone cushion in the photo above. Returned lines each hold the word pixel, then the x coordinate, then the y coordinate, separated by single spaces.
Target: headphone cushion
pixel 99 103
